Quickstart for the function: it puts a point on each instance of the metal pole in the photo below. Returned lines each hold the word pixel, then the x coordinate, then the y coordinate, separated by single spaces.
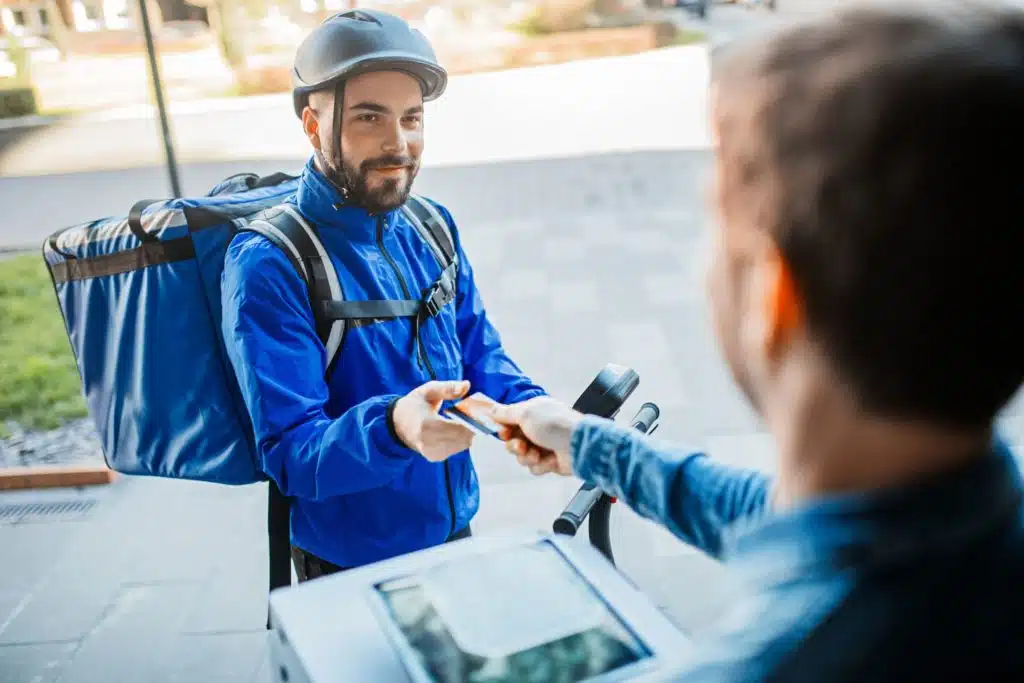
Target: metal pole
pixel 165 126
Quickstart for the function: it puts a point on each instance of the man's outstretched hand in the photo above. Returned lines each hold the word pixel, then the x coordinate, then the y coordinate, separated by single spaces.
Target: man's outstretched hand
pixel 419 425
pixel 539 433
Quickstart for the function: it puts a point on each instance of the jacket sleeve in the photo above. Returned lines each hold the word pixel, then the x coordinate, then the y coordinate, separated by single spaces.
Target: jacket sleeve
pixel 485 364
pixel 279 362
pixel 686 492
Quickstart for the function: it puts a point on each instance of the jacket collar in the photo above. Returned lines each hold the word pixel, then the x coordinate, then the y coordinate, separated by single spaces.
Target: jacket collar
pixel 863 531
pixel 320 202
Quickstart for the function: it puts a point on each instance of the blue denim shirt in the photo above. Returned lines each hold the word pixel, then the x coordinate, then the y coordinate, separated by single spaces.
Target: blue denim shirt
pixel 916 584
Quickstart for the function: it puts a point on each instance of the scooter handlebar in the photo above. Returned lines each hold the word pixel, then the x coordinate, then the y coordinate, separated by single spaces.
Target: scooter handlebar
pixel 571 519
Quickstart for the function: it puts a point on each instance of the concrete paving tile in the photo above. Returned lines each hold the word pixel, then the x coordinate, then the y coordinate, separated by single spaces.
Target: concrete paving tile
pixel 58 610
pixel 672 289
pixel 523 283
pixel 579 296
pixel 35 548
pixel 36 663
pixel 11 601
pixel 527 506
pixel 134 639
pixel 639 339
pixel 234 599
pixel 754 451
pixel 215 658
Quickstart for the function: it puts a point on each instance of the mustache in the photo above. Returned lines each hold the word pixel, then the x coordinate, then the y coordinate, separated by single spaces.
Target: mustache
pixel 386 162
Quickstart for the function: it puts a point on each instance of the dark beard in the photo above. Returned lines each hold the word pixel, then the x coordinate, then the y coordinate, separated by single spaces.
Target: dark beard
pixel 391 194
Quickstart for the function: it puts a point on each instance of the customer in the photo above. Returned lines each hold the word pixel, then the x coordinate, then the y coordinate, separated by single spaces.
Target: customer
pixel 867 288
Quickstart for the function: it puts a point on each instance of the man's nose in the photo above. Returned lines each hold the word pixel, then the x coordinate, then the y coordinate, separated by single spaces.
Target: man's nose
pixel 394 140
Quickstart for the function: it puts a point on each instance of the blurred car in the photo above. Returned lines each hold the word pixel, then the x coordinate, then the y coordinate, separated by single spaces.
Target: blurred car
pixel 698 7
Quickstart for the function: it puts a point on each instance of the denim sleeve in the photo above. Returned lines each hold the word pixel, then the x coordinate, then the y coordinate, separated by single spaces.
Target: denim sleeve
pixel 692 496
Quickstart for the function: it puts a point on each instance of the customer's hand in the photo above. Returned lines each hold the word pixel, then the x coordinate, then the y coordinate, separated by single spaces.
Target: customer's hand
pixel 539 433
pixel 420 427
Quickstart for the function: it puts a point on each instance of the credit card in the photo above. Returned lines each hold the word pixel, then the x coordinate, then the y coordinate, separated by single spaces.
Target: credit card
pixel 474 412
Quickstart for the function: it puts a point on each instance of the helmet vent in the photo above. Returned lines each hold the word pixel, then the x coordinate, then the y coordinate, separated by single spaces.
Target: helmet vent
pixel 360 15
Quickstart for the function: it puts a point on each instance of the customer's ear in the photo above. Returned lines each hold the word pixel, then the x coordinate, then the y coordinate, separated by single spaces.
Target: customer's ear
pixel 783 307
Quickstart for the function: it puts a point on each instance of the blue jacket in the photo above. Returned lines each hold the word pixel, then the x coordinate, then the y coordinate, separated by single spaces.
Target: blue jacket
pixel 359 495
pixel 914 584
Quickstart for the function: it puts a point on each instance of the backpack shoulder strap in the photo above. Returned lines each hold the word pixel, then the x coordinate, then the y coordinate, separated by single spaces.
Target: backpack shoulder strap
pixel 436 232
pixel 433 228
pixel 285 226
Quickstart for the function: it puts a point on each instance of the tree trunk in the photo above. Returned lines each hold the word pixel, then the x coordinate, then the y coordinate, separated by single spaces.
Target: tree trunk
pixel 67 15
pixel 59 24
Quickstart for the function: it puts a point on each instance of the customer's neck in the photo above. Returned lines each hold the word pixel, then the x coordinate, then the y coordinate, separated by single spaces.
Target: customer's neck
pixel 827 446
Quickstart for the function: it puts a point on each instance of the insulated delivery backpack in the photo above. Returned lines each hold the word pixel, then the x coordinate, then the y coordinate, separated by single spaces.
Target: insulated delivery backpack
pixel 140 297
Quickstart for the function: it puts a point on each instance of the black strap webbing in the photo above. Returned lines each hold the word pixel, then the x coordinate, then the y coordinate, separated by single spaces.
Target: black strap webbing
pixel 135 220
pixel 369 310
pixel 142 256
pixel 278 538
pixel 273 179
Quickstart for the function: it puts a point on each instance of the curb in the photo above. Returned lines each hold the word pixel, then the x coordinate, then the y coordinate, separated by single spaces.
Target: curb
pixel 20 122
pixel 141 112
pixel 16 249
pixel 47 477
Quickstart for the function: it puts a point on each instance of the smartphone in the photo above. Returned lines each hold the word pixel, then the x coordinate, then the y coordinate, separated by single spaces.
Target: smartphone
pixel 474 412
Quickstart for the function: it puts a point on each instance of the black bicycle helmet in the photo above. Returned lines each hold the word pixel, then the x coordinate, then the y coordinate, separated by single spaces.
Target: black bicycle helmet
pixel 359 41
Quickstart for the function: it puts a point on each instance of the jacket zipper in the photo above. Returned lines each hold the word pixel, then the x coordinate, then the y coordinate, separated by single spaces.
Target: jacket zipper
pixel 423 354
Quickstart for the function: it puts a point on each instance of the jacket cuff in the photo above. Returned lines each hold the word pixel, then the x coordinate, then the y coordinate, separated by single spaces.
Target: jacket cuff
pixel 399 446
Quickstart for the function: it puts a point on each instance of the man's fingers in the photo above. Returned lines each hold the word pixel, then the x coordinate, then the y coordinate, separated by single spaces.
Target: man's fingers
pixel 436 392
pixel 517 446
pixel 510 416
pixel 529 455
pixel 542 468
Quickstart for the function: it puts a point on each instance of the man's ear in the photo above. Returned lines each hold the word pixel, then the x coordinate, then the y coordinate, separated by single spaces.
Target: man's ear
pixel 783 306
pixel 311 126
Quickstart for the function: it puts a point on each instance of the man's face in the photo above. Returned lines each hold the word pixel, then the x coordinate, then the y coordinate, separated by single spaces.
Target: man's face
pixel 381 138
pixel 732 285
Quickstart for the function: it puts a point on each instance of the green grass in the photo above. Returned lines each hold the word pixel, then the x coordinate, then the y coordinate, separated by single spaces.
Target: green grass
pixel 688 37
pixel 39 382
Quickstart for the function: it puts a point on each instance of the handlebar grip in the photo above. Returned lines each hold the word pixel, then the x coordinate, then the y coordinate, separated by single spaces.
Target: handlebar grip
pixel 571 519
pixel 646 417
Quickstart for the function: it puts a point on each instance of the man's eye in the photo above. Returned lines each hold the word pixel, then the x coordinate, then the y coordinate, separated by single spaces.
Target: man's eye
pixel 412 120
pixel 368 118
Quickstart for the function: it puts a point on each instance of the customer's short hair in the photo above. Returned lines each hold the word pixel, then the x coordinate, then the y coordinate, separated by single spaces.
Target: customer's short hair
pixel 884 151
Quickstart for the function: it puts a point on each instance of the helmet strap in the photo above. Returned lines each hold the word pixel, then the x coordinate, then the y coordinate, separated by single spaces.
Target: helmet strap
pixel 339 107
pixel 334 169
